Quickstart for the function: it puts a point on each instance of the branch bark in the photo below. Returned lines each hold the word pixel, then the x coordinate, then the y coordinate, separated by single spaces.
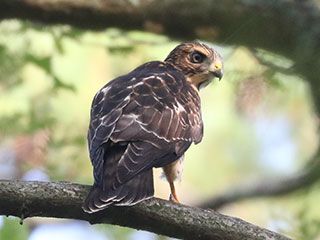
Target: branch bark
pixel 64 200
pixel 278 26
pixel 289 28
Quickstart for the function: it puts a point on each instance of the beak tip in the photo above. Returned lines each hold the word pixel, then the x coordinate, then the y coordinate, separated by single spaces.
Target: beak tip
pixel 218 73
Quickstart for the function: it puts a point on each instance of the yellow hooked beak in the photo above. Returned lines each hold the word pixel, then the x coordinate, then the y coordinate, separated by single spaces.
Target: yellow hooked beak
pixel 217 69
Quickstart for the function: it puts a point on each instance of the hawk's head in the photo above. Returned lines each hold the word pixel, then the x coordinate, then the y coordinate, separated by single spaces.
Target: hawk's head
pixel 198 62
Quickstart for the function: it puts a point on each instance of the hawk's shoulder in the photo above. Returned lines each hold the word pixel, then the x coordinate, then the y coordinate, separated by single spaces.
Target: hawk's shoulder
pixel 162 106
pixel 152 103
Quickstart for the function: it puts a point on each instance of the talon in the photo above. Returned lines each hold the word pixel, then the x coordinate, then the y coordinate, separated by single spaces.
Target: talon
pixel 173 199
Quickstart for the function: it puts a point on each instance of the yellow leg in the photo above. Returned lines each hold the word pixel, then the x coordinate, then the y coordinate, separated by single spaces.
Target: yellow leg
pixel 173 195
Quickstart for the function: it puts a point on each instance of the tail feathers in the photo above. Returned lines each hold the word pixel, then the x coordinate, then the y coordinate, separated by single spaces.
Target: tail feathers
pixel 137 189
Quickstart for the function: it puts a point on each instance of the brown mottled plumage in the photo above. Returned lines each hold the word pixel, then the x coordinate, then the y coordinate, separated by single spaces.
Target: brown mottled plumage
pixel 147 118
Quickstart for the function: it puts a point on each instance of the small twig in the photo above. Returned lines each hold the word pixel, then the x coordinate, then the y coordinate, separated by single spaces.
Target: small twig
pixel 277 68
pixel 268 187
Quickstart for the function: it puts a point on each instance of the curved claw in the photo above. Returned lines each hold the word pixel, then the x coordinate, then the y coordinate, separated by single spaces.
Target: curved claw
pixel 173 198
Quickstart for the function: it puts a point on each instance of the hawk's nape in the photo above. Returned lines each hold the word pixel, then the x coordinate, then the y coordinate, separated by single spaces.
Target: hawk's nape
pixel 147 118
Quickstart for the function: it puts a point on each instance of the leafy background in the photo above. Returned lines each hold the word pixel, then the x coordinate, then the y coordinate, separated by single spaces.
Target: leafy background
pixel 259 122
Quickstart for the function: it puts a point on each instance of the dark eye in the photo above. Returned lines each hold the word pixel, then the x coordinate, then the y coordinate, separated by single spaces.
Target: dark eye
pixel 197 57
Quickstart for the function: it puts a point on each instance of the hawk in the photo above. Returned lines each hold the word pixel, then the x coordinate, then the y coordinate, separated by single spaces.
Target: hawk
pixel 147 118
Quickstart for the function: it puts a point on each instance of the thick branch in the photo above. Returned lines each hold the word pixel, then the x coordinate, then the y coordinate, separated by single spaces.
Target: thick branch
pixel 274 25
pixel 64 200
pixel 289 28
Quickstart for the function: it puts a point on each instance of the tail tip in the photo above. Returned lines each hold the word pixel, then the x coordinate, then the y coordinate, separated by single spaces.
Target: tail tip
pixel 89 205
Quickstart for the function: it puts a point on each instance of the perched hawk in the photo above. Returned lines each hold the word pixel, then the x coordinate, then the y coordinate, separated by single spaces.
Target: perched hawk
pixel 144 119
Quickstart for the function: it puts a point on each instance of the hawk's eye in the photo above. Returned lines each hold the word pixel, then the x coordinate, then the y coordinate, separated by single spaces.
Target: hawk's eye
pixel 197 57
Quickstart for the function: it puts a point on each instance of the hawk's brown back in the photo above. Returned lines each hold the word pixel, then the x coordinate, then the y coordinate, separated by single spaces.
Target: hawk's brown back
pixel 144 119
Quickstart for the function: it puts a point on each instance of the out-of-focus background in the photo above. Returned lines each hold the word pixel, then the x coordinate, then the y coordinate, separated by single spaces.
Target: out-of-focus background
pixel 259 123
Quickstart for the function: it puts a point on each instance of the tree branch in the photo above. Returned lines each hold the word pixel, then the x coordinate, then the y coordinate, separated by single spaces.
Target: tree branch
pixel 268 187
pixel 289 28
pixel 64 200
pixel 229 22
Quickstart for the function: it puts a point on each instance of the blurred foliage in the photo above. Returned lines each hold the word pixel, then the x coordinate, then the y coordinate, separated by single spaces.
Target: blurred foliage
pixel 49 75
pixel 11 229
pixel 115 232
pixel 308 228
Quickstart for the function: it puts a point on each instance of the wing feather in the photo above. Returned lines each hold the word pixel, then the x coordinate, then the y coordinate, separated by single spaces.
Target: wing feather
pixel 153 110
